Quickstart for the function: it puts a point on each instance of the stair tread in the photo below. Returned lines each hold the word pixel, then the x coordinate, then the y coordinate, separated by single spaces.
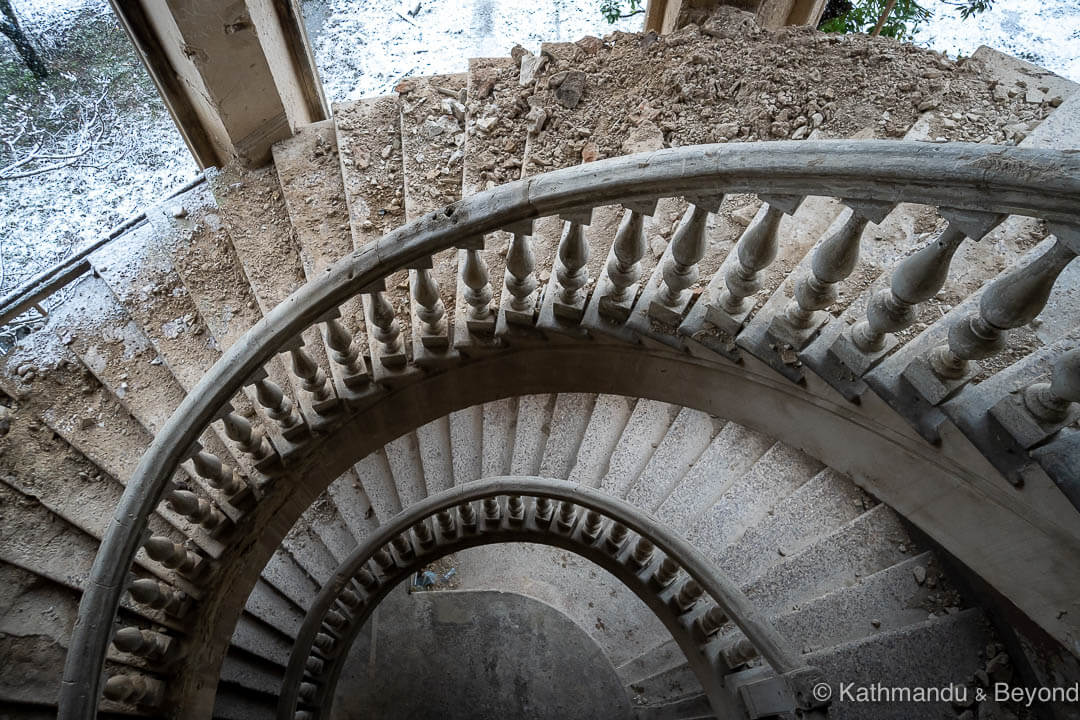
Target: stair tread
pixel 569 419
pixel 730 455
pixel 500 419
pixel 686 439
pixel 436 456
pixel 778 473
pixel 665 687
pixel 606 423
pixel 642 435
pixel 534 419
pixel 818 508
pixel 325 521
pixel 353 504
pixel 377 480
pixel 466 443
pixel 403 455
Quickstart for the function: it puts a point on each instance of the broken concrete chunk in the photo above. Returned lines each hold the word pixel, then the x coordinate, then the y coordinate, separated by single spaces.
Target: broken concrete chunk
pixel 571 89
pixel 531 65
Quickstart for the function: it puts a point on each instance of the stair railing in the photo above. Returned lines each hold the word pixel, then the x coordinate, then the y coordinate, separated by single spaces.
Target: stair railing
pixel 974 185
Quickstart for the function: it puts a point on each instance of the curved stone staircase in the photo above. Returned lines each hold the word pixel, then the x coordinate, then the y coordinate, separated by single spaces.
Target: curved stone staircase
pixel 748 307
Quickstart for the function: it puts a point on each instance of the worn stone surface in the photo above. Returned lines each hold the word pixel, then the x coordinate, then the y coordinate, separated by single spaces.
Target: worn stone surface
pixel 640 438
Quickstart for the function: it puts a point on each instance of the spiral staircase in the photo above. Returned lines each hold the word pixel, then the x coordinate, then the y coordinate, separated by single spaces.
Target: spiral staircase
pixel 747 418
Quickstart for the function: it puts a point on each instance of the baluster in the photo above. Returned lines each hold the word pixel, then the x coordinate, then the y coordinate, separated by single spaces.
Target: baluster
pixel 350 599
pixel 571 273
pixel 251 440
pixel 159 596
pixel 324 643
pixel 144 643
pixel 833 260
pixel 430 310
pixel 336 620
pixel 197 509
pixel 280 409
pixel 515 508
pixel 136 689
pixel 520 279
pixel 346 355
pixel 445 519
pixel 710 622
pixel 688 595
pixel 219 476
pixel 680 269
pixel 567 514
pixel 616 537
pixel 916 279
pixel 367 579
pixel 307 692
pixel 467 515
pixel 480 319
pixel 755 251
pixel 491 509
pixel 593 524
pixel 383 559
pixel 643 553
pixel 544 509
pixel 1050 402
pixel 739 651
pixel 403 547
pixel 1010 301
pixel 313 380
pixel 423 534
pixel 314 666
pixel 174 556
pixel 387 331
pixel 665 572
pixel 624 266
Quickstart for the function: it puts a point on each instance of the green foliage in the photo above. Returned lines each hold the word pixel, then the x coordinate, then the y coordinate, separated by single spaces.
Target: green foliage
pixel 613 10
pixel 970 7
pixel 902 23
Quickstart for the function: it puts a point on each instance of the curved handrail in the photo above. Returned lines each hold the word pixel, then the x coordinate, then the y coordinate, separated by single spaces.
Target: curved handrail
pixel 529 527
pixel 971 177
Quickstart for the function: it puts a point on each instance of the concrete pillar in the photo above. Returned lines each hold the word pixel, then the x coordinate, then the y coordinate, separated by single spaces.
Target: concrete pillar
pixel 236 75
pixel 664 16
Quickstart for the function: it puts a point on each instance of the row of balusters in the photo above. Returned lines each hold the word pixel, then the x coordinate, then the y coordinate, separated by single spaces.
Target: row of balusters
pixel 683 596
pixel 1011 300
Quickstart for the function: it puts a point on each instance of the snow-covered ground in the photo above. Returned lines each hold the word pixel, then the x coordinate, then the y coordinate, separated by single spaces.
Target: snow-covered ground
pixel 364 48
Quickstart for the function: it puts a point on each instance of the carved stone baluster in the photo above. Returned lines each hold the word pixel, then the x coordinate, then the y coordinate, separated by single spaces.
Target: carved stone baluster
pixel 544 509
pixel 754 252
pixel 217 475
pixel 345 354
pixel 423 534
pixel 643 553
pixel 174 556
pixel 515 509
pixel 468 516
pixel 711 621
pixel 567 514
pixel 680 270
pixel 1050 402
pixel 492 512
pixel 665 573
pixel 136 689
pixel 387 331
pixel 616 537
pixel 571 273
pixel 314 381
pixel 688 595
pixel 624 265
pixel 251 440
pixel 520 279
pixel 280 409
pixel 159 596
pixel 916 279
pixel 480 319
pixel 833 261
pixel 198 510
pixel 593 524
pixel 1010 301
pixel 445 519
pixel 430 310
pixel 144 643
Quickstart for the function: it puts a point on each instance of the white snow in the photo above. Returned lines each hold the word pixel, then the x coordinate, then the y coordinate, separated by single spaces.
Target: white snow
pixel 1045 32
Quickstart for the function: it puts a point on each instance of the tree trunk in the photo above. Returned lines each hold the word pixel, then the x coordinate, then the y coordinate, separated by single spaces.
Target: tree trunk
pixel 883 18
pixel 9 25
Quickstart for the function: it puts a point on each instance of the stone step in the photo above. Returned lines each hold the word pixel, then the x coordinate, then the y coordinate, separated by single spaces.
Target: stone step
pixel 262 641
pixel 377 480
pixel 495 129
pixel 309 175
pixel 874 540
pixel 569 420
pixel 189 230
pixel 238 669
pixel 236 703
pixel 500 421
pixel 656 659
pixel 310 553
pixel 729 456
pixel 403 455
pixel 354 505
pixel 609 417
pixel 142 277
pixel 432 140
pixel 747 500
pixel 436 455
pixel 641 436
pixel 284 573
pixel 111 345
pixel 466 443
pixel 61 393
pixel 696 707
pixel 899 659
pixel 326 522
pixel 274 609
pixel 686 439
pixel 534 421
pixel 818 508
pixel 888 600
pixel 667 686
